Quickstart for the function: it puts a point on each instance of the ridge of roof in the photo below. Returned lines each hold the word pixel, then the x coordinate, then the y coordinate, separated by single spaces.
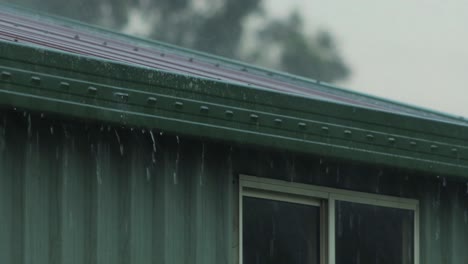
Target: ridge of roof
pixel 254 76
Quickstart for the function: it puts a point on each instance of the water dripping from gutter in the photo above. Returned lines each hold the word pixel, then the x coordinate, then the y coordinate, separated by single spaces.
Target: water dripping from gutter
pixel 148 174
pixel 176 169
pixel 120 144
pixel 153 140
pixel 29 126
pixel 202 166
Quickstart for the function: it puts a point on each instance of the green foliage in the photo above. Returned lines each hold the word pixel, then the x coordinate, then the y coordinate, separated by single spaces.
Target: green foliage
pixel 218 27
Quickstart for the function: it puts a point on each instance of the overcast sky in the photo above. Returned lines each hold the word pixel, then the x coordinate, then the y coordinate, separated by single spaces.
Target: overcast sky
pixel 411 51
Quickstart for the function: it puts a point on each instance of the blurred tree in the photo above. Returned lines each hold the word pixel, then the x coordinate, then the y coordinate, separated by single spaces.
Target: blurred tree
pixel 315 57
pixel 215 26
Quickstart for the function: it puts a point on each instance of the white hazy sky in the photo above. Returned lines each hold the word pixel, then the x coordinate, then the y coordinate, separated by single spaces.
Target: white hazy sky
pixel 407 50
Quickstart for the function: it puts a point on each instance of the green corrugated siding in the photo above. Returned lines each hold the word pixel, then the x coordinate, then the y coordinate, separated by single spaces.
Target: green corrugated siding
pixel 70 194
pixel 71 197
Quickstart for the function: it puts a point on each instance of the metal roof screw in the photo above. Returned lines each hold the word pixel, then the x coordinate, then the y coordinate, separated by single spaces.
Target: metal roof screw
pixel 190 59
pixel 254 117
pixel 104 43
pixel 162 54
pixel 92 90
pixel 229 113
pixel 391 140
pixel 179 105
pixel 64 86
pixel 370 137
pixel 6 75
pixel 217 65
pixel 325 129
pixel 76 37
pixel 151 100
pixel 36 80
pixel 244 69
pixel 454 150
pixel 413 144
pixel 204 109
pixel 135 49
pixel 434 147
pixel 302 125
pixel 278 121
pixel 348 132
pixel 122 96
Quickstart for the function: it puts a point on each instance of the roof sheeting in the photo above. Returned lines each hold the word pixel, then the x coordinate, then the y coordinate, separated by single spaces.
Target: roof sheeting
pixel 85 40
pixel 38 74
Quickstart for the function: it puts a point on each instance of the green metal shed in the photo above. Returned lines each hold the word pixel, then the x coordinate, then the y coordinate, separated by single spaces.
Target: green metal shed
pixel 115 149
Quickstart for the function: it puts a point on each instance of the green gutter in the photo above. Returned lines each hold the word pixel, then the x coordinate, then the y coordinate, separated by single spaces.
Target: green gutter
pixel 88 88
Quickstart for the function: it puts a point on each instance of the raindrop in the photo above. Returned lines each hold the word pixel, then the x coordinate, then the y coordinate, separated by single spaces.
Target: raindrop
pixel 42 115
pixel 161 133
pixel 148 174
pixel 142 131
pixel 202 166
pixel 102 128
pixel 51 130
pixel 174 175
pixel 29 126
pixel 153 157
pixel 120 144
pixel 154 141
pixel 444 182
pixel 98 175
pixel 326 170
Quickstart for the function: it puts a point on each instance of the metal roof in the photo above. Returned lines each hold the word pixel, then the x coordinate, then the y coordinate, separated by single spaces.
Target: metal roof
pixel 73 37
pixel 63 67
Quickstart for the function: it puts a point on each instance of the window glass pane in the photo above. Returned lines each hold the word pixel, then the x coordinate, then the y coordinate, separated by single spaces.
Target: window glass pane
pixel 280 232
pixel 373 234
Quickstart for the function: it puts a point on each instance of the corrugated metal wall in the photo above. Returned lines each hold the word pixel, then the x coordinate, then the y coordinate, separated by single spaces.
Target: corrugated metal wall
pixel 70 194
pixel 74 192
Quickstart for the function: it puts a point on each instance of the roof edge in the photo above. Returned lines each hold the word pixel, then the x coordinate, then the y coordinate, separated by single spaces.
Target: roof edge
pixel 87 88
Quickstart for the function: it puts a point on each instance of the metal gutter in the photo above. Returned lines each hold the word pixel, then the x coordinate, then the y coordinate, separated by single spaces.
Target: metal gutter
pixel 39 79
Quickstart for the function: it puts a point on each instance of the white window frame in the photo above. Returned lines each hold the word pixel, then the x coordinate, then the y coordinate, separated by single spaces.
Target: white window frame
pixel 325 197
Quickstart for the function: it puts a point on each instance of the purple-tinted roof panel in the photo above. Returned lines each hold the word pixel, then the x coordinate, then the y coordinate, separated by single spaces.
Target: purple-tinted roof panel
pixel 85 40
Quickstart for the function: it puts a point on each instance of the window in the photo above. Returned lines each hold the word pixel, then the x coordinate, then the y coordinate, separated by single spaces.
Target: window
pixel 283 222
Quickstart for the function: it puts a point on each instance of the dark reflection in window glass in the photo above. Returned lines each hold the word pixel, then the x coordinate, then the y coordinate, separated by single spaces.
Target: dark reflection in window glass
pixel 373 234
pixel 280 232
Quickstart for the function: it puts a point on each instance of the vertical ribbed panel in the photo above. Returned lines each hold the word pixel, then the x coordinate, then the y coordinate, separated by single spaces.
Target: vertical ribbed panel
pixel 80 193
pixel 72 194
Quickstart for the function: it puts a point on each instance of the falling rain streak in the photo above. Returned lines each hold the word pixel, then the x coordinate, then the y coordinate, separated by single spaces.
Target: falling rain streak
pixel 120 144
